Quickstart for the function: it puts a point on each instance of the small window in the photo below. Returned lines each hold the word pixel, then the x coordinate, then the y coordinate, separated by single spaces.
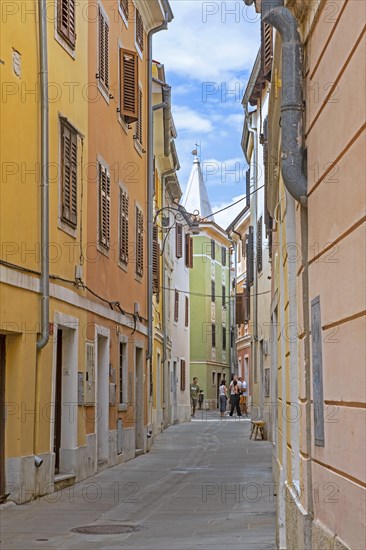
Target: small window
pixel 66 21
pixel 156 261
pixel 189 251
pixel 69 180
pixel 129 94
pixel 259 246
pixel 212 249
pixel 224 338
pixel 186 316
pixel 223 296
pixel 183 375
pixel 104 206
pixel 176 306
pixel 123 227
pixel 139 31
pixel 139 126
pixel 213 291
pixel 139 242
pixel 103 50
pixel 223 255
pixel 213 335
pixel 178 240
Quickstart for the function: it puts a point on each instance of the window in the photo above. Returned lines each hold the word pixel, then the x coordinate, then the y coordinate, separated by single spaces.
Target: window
pixel 213 335
pixel 103 50
pixel 250 256
pixel 66 21
pixel 104 206
pixel 124 8
pixel 182 375
pixel 178 240
pixel 69 155
pixel 259 245
pixel 176 306
pixel 213 293
pixel 122 373
pixel 139 31
pixel 266 50
pixel 123 227
pixel 223 255
pixel 239 311
pixel 139 127
pixel 129 85
pixel 189 251
pixel 186 316
pixel 224 338
pixel 223 296
pixel 247 188
pixel 139 242
pixel 156 261
pixel 212 249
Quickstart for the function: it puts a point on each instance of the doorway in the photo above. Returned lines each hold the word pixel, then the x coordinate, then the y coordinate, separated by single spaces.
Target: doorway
pixel 174 389
pixel 58 402
pixel 139 400
pixel 2 416
pixel 102 404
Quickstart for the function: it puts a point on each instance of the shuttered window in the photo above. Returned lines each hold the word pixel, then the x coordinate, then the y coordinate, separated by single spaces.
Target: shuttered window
pixel 186 312
pixel 139 126
pixel 176 306
pixel 178 240
pixel 139 31
pixel 183 376
pixel 213 293
pixel 266 50
pixel 239 312
pixel 213 335
pixel 212 249
pixel 224 338
pixel 66 21
pixel 104 206
pixel 259 245
pixel 156 261
pixel 223 255
pixel 69 155
pixel 250 256
pixel 139 242
pixel 247 188
pixel 246 305
pixel 129 85
pixel 103 50
pixel 189 251
pixel 223 290
pixel 123 227
pixel 124 8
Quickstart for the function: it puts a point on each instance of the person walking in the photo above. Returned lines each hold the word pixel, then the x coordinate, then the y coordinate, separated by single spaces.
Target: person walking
pixel 234 397
pixel 222 397
pixel 243 399
pixel 194 391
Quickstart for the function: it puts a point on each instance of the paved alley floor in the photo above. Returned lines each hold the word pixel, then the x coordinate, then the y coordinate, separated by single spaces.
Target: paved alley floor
pixel 204 485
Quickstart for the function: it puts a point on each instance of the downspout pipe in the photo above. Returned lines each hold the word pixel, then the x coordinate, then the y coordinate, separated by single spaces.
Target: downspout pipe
pixel 292 150
pixel 150 177
pixel 44 282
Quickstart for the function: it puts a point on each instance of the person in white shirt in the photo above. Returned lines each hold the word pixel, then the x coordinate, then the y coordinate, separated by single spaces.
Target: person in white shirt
pixel 223 397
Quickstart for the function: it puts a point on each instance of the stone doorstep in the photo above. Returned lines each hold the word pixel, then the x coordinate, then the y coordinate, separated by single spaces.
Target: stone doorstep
pixel 61 481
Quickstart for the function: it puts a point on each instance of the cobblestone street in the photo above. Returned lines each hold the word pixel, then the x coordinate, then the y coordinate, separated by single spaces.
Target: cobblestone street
pixel 204 485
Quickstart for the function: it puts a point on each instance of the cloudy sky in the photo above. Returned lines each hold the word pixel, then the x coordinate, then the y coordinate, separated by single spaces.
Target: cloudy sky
pixel 208 52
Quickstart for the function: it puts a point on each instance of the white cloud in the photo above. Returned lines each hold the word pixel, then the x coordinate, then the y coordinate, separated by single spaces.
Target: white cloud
pixel 227 216
pixel 186 118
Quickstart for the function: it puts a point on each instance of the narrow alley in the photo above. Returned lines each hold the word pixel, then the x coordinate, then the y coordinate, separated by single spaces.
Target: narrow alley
pixel 204 484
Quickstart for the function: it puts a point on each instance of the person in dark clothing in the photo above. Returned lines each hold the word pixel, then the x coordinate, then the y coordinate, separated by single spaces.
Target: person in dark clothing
pixel 235 398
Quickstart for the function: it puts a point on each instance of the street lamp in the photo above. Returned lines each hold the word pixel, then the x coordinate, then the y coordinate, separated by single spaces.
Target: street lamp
pixel 180 215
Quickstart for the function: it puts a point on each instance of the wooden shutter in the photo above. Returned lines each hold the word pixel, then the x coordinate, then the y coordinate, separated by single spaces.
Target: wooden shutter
pixel 139 31
pixel 186 316
pixel 139 242
pixel 129 85
pixel 103 51
pixel 246 304
pixel 188 251
pixel 240 309
pixel 123 227
pixel 250 256
pixel 66 21
pixel 213 293
pixel 178 240
pixel 247 188
pixel 69 155
pixel 224 338
pixel 124 8
pixel 223 255
pixel 176 306
pixel 212 249
pixel 213 335
pixel 183 377
pixel 139 126
pixel 259 245
pixel 223 291
pixel 156 261
pixel 104 206
pixel 266 50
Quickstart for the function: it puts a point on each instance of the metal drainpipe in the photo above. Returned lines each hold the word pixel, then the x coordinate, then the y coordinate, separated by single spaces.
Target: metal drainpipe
pixel 150 185
pixel 44 282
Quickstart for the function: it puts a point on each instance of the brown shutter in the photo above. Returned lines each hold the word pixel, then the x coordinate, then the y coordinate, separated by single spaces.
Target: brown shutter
pixel 182 375
pixel 213 335
pixel 213 294
pixel 156 261
pixel 178 240
pixel 104 206
pixel 139 31
pixel 190 252
pixel 124 8
pixel 139 242
pixel 66 21
pixel 176 306
pixel 139 126
pixel 129 85
pixel 247 188
pixel 123 231
pixel 223 255
pixel 250 256
pixel 240 309
pixel 223 290
pixel 259 245
pixel 103 50
pixel 224 338
pixel 69 175
pixel 266 50
pixel 246 305
pixel 186 321
pixel 212 249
